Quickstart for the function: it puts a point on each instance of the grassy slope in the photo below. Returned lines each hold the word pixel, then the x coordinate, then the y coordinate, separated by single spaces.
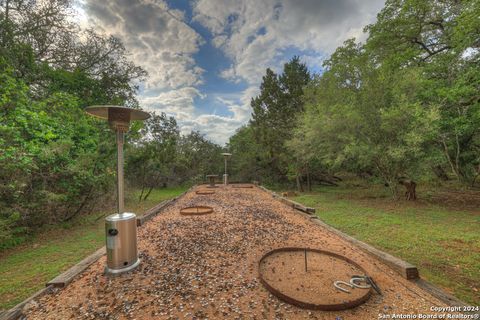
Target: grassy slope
pixel 443 243
pixel 26 269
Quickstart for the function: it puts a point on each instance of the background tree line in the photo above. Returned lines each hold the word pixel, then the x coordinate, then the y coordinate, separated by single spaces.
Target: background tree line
pixel 56 162
pixel 403 106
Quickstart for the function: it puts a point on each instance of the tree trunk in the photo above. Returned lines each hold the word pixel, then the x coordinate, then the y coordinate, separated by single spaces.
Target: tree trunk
pixel 309 181
pixel 143 184
pixel 148 193
pixel 299 184
pixel 410 186
pixel 82 205
pixel 477 174
pixel 453 166
pixel 141 193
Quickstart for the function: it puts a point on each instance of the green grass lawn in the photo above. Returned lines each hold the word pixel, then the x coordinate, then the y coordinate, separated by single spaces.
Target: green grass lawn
pixel 443 243
pixel 26 269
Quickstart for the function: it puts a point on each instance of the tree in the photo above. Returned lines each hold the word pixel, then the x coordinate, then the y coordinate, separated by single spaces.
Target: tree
pixel 44 46
pixel 441 38
pixel 198 157
pixel 362 118
pixel 54 163
pixel 275 111
pixel 152 155
pixel 248 154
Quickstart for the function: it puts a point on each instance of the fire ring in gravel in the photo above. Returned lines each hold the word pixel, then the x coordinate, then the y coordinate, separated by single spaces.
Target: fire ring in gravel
pixel 205 192
pixel 196 210
pixel 305 277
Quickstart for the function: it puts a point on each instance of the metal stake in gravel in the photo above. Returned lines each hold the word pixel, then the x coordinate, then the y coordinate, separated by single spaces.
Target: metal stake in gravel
pixel 225 176
pixel 121 227
pixel 305 259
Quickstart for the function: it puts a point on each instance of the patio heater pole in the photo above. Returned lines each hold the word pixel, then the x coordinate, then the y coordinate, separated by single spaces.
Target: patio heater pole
pixel 120 185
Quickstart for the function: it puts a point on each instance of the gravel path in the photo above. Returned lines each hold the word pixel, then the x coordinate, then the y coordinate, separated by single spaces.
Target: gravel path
pixel 206 267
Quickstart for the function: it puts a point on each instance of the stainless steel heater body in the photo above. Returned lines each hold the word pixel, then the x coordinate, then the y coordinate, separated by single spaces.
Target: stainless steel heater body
pixel 121 238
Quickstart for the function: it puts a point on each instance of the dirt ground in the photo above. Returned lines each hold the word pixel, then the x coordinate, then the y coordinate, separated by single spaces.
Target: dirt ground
pixel 206 267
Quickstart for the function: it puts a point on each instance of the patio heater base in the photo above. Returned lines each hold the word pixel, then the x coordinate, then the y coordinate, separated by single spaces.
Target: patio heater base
pixel 109 271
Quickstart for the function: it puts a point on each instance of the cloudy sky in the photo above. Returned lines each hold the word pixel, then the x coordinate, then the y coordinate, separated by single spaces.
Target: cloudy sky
pixel 206 58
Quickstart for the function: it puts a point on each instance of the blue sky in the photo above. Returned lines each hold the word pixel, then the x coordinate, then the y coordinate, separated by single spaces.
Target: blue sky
pixel 206 58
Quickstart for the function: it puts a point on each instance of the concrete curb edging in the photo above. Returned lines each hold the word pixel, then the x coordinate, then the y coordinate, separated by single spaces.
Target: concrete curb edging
pixel 63 279
pixel 405 269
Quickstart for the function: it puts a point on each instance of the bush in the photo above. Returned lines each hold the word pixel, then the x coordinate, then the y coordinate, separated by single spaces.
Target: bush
pixel 53 165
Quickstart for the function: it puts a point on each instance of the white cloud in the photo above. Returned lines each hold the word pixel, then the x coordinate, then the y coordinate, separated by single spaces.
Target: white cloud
pixel 179 102
pixel 254 33
pixel 157 37
pixel 216 128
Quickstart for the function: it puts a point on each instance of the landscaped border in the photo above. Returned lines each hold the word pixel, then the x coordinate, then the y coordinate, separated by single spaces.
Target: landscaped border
pixel 405 269
pixel 63 279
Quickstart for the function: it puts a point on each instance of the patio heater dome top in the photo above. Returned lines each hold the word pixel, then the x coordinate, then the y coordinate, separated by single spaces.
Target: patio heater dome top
pixel 103 112
pixel 118 117
pixel 226 154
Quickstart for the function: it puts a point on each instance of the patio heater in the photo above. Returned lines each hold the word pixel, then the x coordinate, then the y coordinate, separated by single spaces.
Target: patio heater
pixel 121 227
pixel 225 176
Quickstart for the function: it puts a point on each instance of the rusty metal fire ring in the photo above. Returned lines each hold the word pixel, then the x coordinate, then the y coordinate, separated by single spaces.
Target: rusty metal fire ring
pixel 196 210
pixel 203 192
pixel 308 305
